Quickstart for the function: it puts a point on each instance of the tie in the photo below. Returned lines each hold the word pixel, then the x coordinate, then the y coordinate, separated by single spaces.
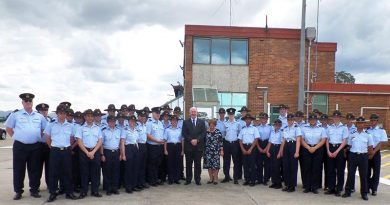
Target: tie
pixel 193 123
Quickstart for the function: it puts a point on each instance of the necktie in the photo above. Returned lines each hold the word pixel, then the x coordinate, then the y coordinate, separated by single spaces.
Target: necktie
pixel 193 123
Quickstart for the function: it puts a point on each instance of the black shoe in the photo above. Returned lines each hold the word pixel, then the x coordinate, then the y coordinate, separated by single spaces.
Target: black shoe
pixel 177 182
pixel 116 192
pixel 259 182
pixel 18 196
pixel 291 189
pixel 108 193
pixel 265 183
pixel 129 191
pixel 198 183
pixel 365 197
pixel 277 186
pixel 246 183
pixel 140 187
pixel 77 190
pixel 315 191
pixel 96 195
pixel 326 189
pixel 182 178
pixel 153 184
pixel 252 184
pixel 136 189
pixel 187 183
pixel 145 186
pixel 272 186
pixel 209 182
pixel 35 195
pixel 352 190
pixel 329 192
pixel 374 193
pixel 170 183
pixel 235 182
pixel 306 190
pixel 225 180
pixel 52 198
pixel 70 196
pixel 285 189
pixel 82 196
pixel 337 193
pixel 345 195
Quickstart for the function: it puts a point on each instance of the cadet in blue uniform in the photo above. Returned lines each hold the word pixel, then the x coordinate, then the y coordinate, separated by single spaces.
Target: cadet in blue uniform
pixel 299 119
pixel 142 149
pixel 25 127
pixel 70 115
pixel 244 110
pixel 110 111
pixel 283 111
pixel 248 141
pixel 43 108
pixel 275 154
pixel 89 137
pixel 173 148
pixel 131 109
pixel 379 137
pixel 337 139
pixel 129 150
pixel 350 119
pixel 178 113
pixel 163 169
pixel 313 139
pixel 221 121
pixel 78 121
pixel 262 160
pixel 110 155
pixel 58 134
pixel 360 146
pixel 291 144
pixel 324 123
pixel 155 135
pixel 231 147
pixel 97 116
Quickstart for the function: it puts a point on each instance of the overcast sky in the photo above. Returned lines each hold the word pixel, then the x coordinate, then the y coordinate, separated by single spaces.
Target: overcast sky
pixel 96 52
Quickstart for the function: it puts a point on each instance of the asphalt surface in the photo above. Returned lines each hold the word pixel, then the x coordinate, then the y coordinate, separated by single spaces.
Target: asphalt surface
pixel 223 194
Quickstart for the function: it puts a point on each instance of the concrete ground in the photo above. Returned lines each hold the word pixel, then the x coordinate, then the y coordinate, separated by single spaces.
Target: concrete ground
pixel 223 194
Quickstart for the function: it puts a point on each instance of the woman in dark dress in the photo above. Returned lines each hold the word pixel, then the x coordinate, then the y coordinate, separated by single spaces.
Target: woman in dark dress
pixel 213 151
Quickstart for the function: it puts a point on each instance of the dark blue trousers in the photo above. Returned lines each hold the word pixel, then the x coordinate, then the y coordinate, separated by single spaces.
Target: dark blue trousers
pixel 111 170
pixel 44 163
pixel 131 166
pixel 275 164
pixel 290 164
pixel 90 170
pixel 336 169
pixel 231 152
pixel 262 163
pixel 142 157
pixel 249 165
pixel 26 154
pixel 60 170
pixel 174 154
pixel 357 161
pixel 155 153
pixel 374 168
pixel 312 168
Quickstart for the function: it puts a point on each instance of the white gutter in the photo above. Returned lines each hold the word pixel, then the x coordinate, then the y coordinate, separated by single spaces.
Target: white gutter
pixel 372 108
pixel 356 93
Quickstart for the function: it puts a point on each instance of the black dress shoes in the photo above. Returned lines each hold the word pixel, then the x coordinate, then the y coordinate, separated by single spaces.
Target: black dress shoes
pixel 35 195
pixel 18 196
pixel 82 195
pixel 198 183
pixel 365 197
pixel 52 198
pixel 187 183
pixel 96 194
pixel 70 196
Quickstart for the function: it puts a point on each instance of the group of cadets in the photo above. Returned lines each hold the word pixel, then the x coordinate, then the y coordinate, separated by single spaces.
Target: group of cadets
pixel 136 151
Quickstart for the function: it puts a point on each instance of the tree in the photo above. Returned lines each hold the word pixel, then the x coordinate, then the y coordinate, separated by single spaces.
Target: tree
pixel 344 77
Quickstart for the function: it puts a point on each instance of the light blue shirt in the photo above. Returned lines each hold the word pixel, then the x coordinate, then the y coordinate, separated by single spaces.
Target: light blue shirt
pixel 89 135
pixel 351 129
pixel 313 135
pixel 173 135
pixel 43 138
pixel 60 134
pixel 27 127
pixel 359 142
pixel 283 119
pixel 337 133
pixel 142 138
pixel 221 127
pixel 378 135
pixel 292 132
pixel 156 129
pixel 130 135
pixel 111 138
pixel 264 131
pixel 166 124
pixel 248 134
pixel 243 123
pixel 233 128
pixel 300 124
pixel 276 137
pixel 180 123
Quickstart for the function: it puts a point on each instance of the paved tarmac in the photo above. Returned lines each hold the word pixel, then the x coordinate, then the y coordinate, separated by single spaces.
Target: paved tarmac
pixel 224 194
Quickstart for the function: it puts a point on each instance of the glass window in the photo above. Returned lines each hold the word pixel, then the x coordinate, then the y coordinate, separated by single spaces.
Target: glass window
pixel 220 51
pixel 211 95
pixel 239 99
pixel 234 100
pixel 239 52
pixel 205 95
pixel 320 102
pixel 199 95
pixel 201 50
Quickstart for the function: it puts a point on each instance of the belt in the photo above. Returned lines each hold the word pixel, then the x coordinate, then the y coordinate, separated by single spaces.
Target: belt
pixel 312 145
pixel 60 148
pixel 131 145
pixel 174 143
pixel 111 150
pixel 334 145
pixel 89 149
pixel 249 144
pixel 290 141
pixel 359 153
pixel 276 145
pixel 231 141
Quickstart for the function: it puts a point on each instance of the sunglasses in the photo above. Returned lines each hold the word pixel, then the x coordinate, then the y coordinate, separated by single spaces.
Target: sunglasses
pixel 27 100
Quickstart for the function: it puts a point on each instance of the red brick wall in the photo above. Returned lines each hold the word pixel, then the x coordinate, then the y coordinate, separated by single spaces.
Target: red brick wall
pixel 187 74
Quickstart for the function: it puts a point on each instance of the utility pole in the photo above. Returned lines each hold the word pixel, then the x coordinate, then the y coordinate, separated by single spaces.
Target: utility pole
pixel 301 92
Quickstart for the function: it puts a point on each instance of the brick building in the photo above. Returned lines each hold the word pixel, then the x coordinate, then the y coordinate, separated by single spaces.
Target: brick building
pixel 258 67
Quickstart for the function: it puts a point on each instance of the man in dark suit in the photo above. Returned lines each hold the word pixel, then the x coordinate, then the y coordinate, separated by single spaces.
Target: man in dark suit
pixel 194 134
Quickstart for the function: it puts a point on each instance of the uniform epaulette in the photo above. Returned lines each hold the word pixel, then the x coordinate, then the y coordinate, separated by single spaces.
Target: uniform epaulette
pixel 354 131
pixel 366 132
pixel 53 120
pixel 15 111
pixel 104 128
pixel 296 126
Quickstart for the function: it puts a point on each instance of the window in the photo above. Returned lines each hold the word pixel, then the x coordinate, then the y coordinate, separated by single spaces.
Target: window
pixel 239 52
pixel 222 51
pixel 320 102
pixel 205 95
pixel 202 50
pixel 234 100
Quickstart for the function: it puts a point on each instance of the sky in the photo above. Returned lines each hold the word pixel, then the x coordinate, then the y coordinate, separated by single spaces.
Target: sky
pixel 96 52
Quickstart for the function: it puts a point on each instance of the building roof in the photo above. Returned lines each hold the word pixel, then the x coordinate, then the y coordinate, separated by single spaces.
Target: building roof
pixel 350 88
pixel 253 32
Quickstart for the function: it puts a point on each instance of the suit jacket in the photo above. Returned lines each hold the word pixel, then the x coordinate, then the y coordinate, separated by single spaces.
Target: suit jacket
pixel 189 133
